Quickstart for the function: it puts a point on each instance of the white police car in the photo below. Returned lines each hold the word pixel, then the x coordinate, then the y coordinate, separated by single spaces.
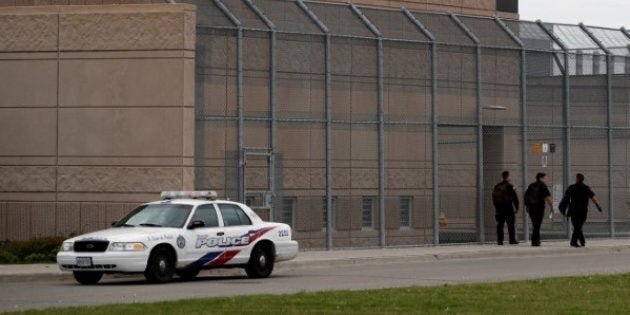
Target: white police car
pixel 182 234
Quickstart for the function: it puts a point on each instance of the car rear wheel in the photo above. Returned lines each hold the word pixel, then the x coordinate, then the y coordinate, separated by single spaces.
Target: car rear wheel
pixel 161 265
pixel 87 277
pixel 261 262
pixel 188 273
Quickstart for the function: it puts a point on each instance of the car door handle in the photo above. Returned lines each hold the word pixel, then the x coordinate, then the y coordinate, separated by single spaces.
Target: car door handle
pixel 220 233
pixel 251 232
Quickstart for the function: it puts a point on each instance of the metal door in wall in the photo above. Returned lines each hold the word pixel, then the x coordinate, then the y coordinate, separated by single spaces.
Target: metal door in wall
pixel 258 181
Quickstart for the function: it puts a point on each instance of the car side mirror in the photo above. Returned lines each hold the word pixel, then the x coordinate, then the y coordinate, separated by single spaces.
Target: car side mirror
pixel 196 224
pixel 114 223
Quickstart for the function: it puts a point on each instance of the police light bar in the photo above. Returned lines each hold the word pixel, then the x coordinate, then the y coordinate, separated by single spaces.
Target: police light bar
pixel 199 194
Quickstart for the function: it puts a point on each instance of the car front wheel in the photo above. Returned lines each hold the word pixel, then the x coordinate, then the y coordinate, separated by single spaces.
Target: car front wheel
pixel 87 277
pixel 261 262
pixel 161 265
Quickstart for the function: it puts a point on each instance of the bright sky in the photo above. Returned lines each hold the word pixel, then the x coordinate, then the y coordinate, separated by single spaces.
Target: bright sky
pixel 608 13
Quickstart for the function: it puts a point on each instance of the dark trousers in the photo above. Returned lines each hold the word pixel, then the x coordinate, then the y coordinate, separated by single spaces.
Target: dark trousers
pixel 505 215
pixel 578 220
pixel 537 217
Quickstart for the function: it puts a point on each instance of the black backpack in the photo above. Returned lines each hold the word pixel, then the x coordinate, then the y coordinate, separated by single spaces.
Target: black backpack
pixel 531 198
pixel 500 194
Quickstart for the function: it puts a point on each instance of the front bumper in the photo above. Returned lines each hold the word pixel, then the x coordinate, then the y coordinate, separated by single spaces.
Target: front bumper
pixel 286 250
pixel 106 261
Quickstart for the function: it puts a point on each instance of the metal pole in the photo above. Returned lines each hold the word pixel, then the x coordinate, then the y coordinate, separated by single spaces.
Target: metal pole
pixel 525 140
pixel 381 145
pixel 239 110
pixel 273 122
pixel 609 114
pixel 611 192
pixel 434 147
pixel 239 97
pixel 381 122
pixel 566 97
pixel 328 136
pixel 480 167
pixel 524 127
pixel 272 103
pixel 434 127
pixel 329 170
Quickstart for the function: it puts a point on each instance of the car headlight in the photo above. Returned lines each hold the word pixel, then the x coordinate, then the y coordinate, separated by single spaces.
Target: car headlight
pixel 67 247
pixel 127 247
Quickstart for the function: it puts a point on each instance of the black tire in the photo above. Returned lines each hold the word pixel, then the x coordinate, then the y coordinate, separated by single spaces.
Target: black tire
pixel 188 273
pixel 261 262
pixel 87 277
pixel 161 265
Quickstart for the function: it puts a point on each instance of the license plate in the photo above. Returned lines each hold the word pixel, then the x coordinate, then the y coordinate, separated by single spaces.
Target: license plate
pixel 84 261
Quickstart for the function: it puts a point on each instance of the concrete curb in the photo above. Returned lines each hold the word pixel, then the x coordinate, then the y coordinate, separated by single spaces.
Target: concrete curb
pixel 479 252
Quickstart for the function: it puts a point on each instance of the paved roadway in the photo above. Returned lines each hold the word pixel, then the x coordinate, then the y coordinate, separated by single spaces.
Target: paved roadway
pixel 41 292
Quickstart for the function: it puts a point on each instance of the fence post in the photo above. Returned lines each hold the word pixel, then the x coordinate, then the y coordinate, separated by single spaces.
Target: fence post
pixel 434 126
pixel 480 168
pixel 272 103
pixel 609 105
pixel 524 127
pixel 566 97
pixel 381 123
pixel 328 110
pixel 239 98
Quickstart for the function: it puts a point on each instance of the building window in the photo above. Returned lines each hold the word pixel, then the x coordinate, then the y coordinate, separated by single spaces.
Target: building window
pixel 367 213
pixel 406 206
pixel 325 213
pixel 288 211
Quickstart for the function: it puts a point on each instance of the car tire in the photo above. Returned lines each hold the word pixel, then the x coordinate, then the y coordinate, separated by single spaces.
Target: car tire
pixel 188 274
pixel 261 262
pixel 161 265
pixel 87 277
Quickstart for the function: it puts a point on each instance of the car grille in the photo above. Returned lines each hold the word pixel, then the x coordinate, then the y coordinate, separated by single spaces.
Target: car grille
pixel 90 246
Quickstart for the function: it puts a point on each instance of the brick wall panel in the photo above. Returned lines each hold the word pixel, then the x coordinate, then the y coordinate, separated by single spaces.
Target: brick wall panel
pixel 93 217
pixel 18 221
pixel 3 221
pixel 68 219
pixel 42 215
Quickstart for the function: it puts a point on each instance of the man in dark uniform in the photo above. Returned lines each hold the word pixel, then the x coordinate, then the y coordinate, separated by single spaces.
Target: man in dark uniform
pixel 536 196
pixel 578 196
pixel 506 204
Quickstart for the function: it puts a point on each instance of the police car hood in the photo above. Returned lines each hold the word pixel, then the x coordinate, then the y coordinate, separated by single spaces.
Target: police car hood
pixel 129 234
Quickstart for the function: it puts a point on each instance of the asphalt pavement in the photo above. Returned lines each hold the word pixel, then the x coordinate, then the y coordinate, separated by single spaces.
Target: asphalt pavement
pixel 42 286
pixel 378 255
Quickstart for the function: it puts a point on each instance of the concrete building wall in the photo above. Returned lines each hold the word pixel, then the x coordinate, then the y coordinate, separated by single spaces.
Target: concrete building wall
pixel 96 113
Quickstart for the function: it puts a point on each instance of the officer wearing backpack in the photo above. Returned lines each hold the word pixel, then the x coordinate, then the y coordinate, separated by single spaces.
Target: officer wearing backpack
pixel 577 196
pixel 506 204
pixel 535 197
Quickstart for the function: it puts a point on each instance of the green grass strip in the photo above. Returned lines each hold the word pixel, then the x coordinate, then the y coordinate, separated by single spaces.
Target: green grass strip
pixel 574 295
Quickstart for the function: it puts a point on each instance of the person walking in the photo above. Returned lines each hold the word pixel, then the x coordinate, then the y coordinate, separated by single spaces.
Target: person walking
pixel 577 196
pixel 536 195
pixel 506 205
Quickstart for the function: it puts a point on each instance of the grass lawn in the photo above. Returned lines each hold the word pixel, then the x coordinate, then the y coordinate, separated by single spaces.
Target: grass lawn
pixel 579 295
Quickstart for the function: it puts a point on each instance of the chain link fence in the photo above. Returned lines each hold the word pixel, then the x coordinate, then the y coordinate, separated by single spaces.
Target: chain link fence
pixel 366 127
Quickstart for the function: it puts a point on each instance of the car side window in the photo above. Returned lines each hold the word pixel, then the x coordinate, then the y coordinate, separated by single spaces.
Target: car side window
pixel 233 215
pixel 207 214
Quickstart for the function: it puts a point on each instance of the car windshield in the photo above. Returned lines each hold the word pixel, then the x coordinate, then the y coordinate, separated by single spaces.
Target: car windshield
pixel 157 215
